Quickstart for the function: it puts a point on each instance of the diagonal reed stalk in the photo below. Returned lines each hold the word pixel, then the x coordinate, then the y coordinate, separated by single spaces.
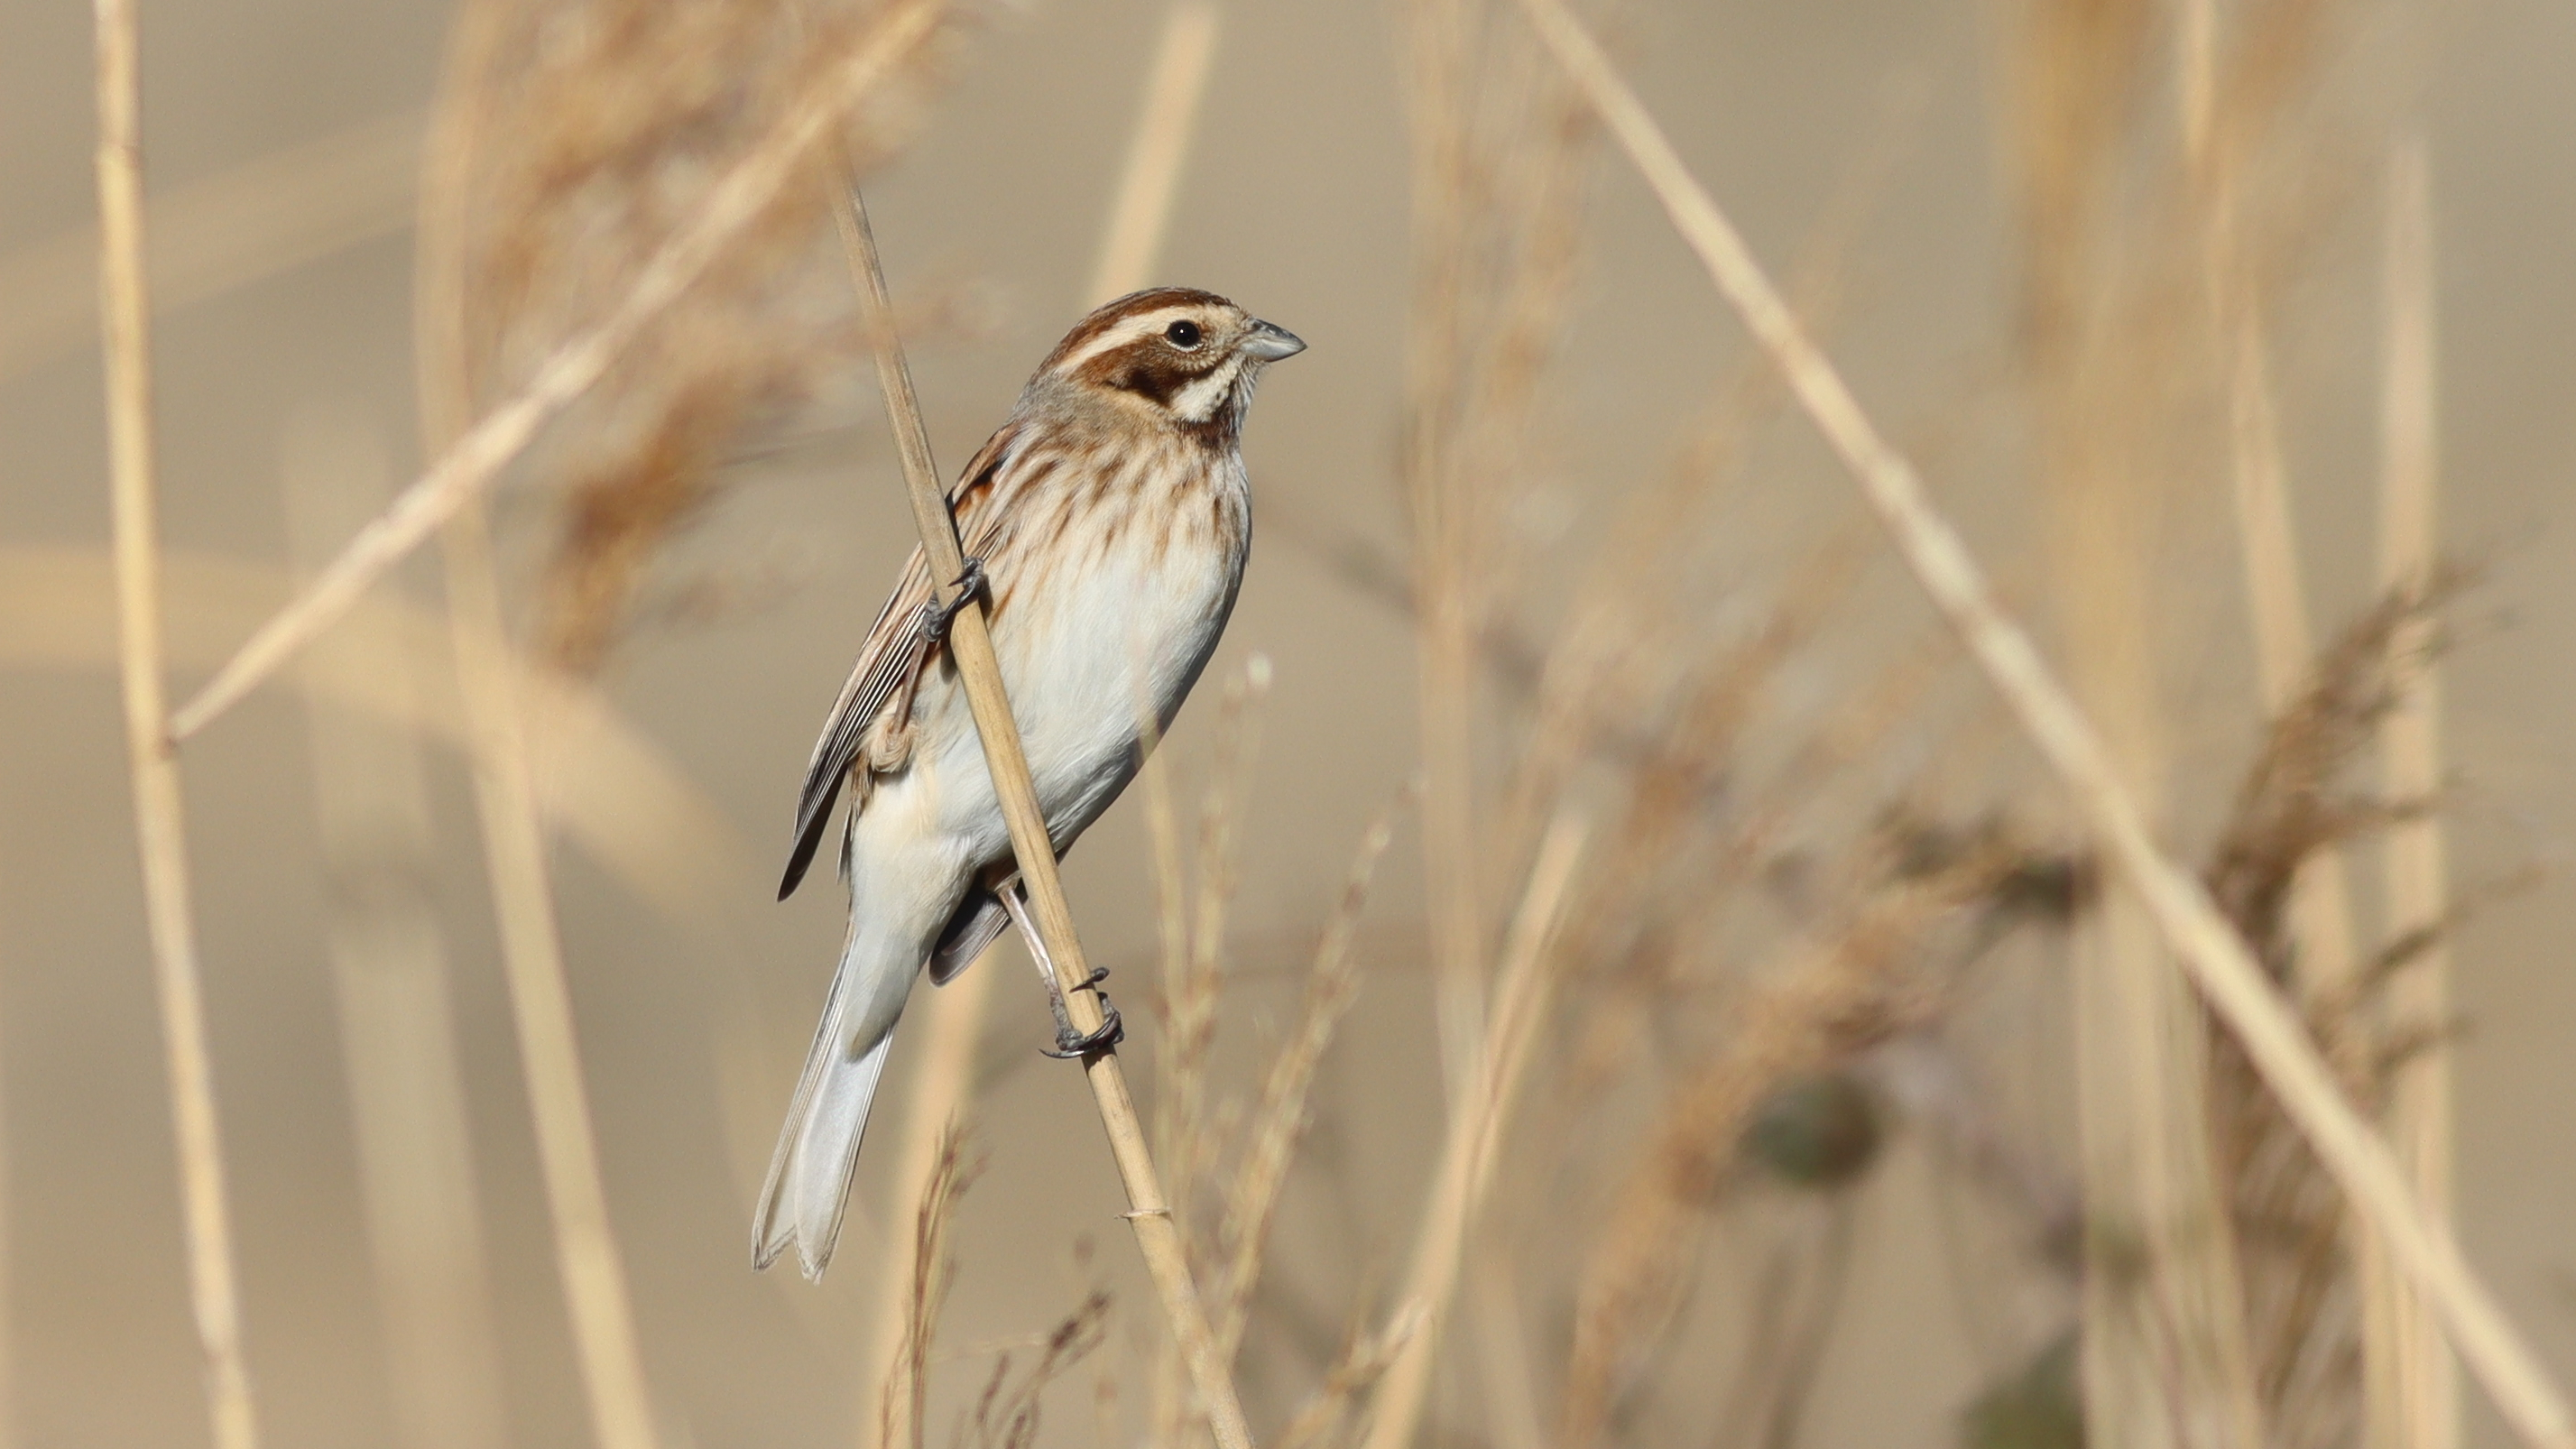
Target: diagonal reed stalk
pixel 970 646
pixel 468 467
pixel 2420 1379
pixel 2220 964
pixel 1478 1117
pixel 160 822
pixel 1139 220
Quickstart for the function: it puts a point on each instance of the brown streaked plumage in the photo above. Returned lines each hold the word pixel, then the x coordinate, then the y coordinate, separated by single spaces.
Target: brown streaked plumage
pixel 1111 517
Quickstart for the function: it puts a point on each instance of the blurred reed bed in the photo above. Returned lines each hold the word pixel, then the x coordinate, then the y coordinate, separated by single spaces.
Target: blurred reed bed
pixel 1730 866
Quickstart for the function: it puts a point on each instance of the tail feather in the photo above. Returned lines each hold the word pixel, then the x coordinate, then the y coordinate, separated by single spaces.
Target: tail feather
pixel 809 1175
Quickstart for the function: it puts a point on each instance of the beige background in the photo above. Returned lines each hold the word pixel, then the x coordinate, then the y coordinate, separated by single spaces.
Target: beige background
pixel 1293 203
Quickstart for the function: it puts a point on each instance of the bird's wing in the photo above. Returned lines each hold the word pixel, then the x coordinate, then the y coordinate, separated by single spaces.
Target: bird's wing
pixel 898 649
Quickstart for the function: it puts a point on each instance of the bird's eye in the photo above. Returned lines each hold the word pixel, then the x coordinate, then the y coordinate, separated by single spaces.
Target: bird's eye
pixel 1183 334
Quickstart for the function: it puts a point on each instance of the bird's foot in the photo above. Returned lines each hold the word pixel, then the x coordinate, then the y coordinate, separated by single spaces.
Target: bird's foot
pixel 1073 1045
pixel 969 584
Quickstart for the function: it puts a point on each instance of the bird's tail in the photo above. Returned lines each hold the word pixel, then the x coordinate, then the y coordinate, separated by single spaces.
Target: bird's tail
pixel 809 1174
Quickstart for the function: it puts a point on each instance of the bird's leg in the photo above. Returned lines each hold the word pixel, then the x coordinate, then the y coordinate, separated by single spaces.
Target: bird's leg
pixel 1070 1044
pixel 970 583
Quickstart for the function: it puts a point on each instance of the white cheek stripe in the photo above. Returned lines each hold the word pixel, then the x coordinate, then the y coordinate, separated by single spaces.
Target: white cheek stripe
pixel 1198 402
pixel 1125 332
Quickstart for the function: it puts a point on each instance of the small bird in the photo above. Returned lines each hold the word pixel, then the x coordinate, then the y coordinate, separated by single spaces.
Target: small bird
pixel 1106 525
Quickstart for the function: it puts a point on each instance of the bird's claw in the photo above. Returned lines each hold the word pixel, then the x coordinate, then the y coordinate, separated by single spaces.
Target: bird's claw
pixel 969 584
pixel 1072 1045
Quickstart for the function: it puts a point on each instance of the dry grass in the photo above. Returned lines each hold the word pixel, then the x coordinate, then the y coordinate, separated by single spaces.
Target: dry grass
pixel 1729 865
pixel 160 820
pixel 904 1410
pixel 844 76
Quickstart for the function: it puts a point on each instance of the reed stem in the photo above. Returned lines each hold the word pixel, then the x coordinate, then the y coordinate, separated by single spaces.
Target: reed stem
pixel 1477 1119
pixel 160 821
pixel 970 646
pixel 2425 1412
pixel 943 1086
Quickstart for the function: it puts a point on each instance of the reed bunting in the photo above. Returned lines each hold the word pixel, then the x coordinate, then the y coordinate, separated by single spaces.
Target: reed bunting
pixel 1107 525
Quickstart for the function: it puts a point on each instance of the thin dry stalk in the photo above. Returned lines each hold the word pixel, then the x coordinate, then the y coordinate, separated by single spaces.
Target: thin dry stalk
pixel 390 979
pixel 1006 1416
pixel 523 908
pixel 1280 1119
pixel 942 1087
pixel 2320 907
pixel 1478 1120
pixel 469 467
pixel 1185 1136
pixel 1325 1419
pixel 903 1408
pixel 2412 1357
pixel 970 645
pixel 160 821
pixel 2275 586
pixel 1190 992
pixel 1444 546
pixel 1863 985
pixel 1498 161
pixel 2294 1228
pixel 2163 1334
pixel 2221 965
pixel 1141 215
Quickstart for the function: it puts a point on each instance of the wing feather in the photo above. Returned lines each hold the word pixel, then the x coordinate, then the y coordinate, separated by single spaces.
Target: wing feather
pixel 898 648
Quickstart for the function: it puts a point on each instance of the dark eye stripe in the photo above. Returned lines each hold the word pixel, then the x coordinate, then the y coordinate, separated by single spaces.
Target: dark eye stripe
pixel 1158 383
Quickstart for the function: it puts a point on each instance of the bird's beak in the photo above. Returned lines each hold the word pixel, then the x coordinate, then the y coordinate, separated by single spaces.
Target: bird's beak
pixel 1271 343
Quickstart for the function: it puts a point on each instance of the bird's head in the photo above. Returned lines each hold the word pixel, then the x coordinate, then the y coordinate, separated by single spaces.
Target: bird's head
pixel 1176 354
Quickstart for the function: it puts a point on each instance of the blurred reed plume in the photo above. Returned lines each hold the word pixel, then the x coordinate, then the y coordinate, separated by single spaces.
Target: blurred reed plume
pixel 575 138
